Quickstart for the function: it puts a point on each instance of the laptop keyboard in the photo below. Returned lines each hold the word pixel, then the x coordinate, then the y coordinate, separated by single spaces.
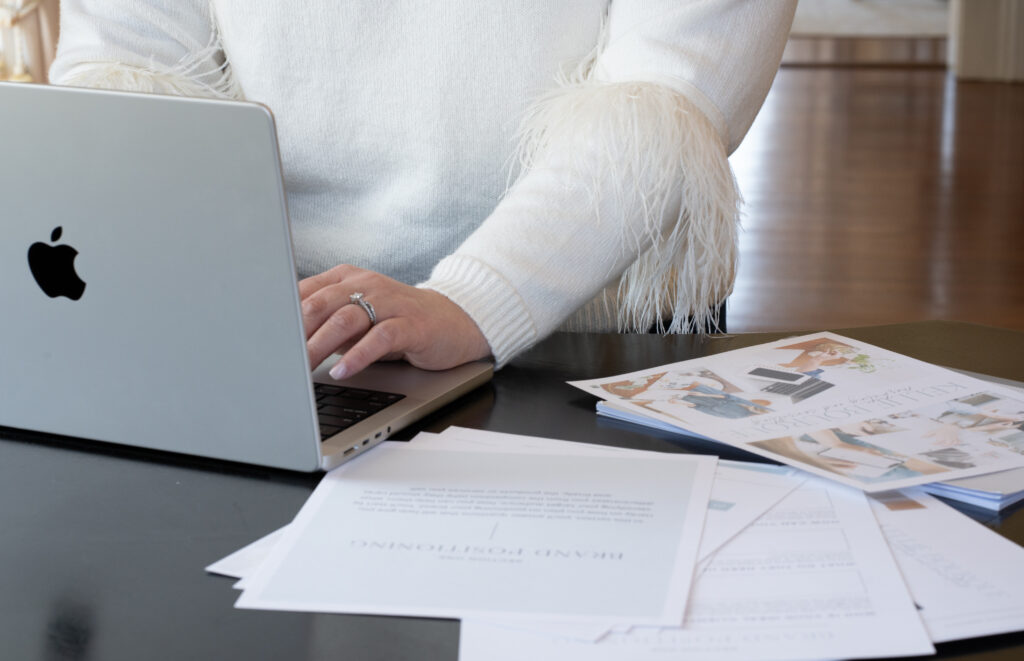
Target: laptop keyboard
pixel 339 408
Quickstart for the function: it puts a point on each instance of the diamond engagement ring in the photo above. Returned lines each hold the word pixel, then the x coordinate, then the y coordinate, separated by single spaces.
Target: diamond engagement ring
pixel 360 299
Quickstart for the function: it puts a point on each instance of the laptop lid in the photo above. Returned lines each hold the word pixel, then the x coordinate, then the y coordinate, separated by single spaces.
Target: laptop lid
pixel 148 284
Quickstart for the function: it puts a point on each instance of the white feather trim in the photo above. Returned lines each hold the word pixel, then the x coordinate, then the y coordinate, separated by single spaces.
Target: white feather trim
pixel 118 76
pixel 203 72
pixel 657 156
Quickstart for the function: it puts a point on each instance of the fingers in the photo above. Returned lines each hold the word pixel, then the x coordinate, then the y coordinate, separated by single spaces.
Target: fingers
pixel 343 327
pixel 323 304
pixel 325 295
pixel 418 325
pixel 386 339
pixel 312 284
pixel 333 323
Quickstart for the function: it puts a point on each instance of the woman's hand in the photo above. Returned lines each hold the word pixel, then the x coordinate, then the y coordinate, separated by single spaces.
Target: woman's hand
pixel 420 326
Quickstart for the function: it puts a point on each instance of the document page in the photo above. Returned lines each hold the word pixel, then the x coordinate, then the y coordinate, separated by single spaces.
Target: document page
pixel 407 530
pixel 835 407
pixel 742 491
pixel 811 579
pixel 967 580
pixel 247 559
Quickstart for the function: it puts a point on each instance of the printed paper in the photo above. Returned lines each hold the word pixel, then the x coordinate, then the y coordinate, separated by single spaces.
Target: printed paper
pixel 406 531
pixel 835 407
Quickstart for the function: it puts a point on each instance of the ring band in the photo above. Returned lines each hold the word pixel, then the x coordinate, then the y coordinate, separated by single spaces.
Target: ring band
pixel 360 299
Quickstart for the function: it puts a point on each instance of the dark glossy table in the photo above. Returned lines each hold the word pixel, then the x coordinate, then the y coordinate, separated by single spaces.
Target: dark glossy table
pixel 103 547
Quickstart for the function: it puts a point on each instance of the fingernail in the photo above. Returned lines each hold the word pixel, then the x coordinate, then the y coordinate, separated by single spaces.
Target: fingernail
pixel 338 372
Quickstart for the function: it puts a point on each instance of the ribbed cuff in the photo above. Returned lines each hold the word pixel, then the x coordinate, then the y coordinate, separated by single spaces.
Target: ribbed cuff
pixel 489 300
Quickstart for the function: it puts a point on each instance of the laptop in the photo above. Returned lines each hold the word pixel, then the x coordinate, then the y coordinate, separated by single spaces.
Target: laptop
pixel 149 292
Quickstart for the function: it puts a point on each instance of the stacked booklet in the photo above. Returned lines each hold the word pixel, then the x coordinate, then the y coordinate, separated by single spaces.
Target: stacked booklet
pixel 992 492
pixel 841 409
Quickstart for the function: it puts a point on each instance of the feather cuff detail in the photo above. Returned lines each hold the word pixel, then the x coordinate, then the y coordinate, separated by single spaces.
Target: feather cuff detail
pixel 203 72
pixel 117 76
pixel 649 151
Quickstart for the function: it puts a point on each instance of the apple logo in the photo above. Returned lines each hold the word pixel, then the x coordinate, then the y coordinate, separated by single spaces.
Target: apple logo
pixel 54 269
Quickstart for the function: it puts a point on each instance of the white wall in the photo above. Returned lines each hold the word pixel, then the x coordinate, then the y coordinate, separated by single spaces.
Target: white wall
pixel 987 39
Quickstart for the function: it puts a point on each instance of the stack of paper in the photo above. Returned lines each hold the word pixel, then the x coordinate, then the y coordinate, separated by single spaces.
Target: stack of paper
pixel 800 584
pixel 963 577
pixel 547 549
pixel 812 579
pixel 450 528
pixel 994 491
pixel 835 407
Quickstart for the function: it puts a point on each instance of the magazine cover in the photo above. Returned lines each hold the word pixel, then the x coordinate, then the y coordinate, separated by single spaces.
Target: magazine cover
pixel 833 406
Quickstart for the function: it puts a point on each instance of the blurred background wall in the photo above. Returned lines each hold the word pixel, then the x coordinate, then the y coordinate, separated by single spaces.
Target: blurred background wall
pixel 28 37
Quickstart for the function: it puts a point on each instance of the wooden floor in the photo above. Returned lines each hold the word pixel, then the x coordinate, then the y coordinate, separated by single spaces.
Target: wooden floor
pixel 881 195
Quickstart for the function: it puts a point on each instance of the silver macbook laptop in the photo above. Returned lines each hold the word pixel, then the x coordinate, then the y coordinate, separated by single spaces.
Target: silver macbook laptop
pixel 149 294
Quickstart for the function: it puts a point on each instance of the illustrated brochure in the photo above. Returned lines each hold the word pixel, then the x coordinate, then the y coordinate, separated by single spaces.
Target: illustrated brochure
pixel 833 406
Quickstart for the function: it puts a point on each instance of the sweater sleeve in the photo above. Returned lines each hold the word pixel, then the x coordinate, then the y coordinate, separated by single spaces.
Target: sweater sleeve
pixel 158 46
pixel 625 181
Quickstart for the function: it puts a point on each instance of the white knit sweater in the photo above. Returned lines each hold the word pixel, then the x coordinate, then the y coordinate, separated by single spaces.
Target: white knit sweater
pixel 401 124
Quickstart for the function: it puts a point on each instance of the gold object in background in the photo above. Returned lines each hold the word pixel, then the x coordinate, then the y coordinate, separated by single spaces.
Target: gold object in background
pixel 11 14
pixel 3 63
pixel 19 73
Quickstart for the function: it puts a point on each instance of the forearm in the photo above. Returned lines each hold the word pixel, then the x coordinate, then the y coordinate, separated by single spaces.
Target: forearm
pixel 625 176
pixel 622 176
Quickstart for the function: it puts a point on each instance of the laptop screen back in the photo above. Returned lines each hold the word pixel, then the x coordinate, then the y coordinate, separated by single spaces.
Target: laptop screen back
pixel 149 292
